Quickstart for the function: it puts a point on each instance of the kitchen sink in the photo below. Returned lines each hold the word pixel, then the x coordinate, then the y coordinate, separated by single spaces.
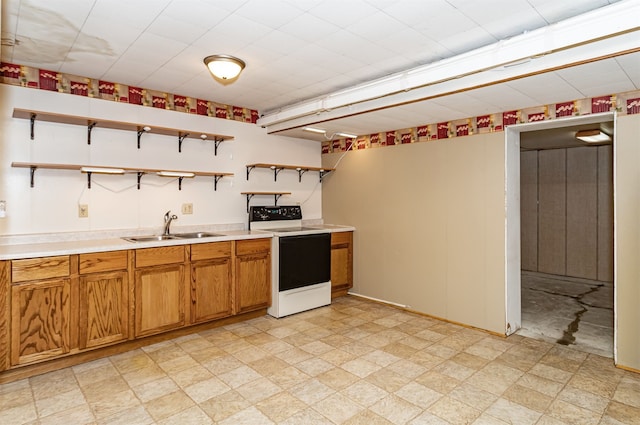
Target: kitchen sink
pixel 149 238
pixel 195 235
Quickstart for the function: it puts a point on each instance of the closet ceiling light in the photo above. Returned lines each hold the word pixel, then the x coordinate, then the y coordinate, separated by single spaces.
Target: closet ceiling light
pixel 593 136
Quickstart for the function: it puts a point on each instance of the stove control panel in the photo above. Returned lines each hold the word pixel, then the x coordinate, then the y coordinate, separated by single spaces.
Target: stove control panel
pixel 275 213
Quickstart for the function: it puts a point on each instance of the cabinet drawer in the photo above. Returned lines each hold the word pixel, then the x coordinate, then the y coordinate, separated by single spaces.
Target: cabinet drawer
pixel 39 268
pixel 206 251
pixel 103 262
pixel 157 256
pixel 339 238
pixel 252 246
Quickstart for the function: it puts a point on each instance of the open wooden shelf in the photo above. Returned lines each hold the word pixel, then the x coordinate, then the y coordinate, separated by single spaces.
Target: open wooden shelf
pixel 276 196
pixel 301 169
pixel 127 170
pixel 91 123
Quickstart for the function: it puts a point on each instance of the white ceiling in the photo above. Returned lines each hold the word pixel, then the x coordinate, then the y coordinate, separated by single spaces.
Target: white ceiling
pixel 297 50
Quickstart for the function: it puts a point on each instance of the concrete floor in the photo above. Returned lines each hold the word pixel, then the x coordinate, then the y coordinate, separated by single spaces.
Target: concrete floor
pixel 570 311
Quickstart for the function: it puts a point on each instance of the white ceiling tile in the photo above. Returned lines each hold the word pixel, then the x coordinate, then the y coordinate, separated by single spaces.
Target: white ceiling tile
pixel 353 46
pixel 272 13
pixel 309 28
pixel 343 13
pixel 545 88
pixel 136 14
pixel 631 65
pixel 200 13
pixel 176 29
pixel 503 97
pixel 554 11
pixel 593 78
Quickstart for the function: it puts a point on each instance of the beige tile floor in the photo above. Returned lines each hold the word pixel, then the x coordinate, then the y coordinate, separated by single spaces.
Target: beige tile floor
pixel 354 362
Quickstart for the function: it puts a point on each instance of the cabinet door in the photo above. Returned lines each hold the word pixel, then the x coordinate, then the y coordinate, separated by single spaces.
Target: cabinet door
pixel 103 302
pixel 341 263
pixel 39 320
pixel 211 288
pixel 159 299
pixel 253 275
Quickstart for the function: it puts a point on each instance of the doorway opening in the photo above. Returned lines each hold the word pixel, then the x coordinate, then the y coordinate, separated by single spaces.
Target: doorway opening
pixel 566 279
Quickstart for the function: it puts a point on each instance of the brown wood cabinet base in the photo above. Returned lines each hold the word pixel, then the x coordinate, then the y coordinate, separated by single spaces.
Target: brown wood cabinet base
pixel 21 372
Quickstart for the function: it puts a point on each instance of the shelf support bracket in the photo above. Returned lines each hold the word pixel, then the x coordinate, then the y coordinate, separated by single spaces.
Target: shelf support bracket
pixel 140 174
pixel 276 196
pixel 249 196
pixel 216 143
pixel 180 183
pixel 276 170
pixel 249 168
pixel 216 179
pixel 140 134
pixel 32 172
pixel 181 138
pixel 89 180
pixel 33 123
pixel 89 128
pixel 323 173
pixel 301 172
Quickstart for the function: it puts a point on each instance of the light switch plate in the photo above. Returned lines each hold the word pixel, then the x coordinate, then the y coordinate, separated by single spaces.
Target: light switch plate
pixel 187 208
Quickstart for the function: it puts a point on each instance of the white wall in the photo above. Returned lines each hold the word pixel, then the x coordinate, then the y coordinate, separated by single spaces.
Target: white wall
pixel 51 206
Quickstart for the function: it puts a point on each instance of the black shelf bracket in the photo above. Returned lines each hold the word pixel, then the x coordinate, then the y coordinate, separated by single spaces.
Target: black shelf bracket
pixel 33 123
pixel 181 138
pixel 180 183
pixel 323 173
pixel 88 179
pixel 301 171
pixel 89 128
pixel 249 196
pixel 216 179
pixel 249 168
pixel 140 174
pixel 276 196
pixel 216 143
pixel 32 172
pixel 276 170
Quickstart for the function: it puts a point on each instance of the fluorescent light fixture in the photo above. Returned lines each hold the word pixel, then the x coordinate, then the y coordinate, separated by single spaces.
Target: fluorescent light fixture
pixel 175 174
pixel 347 135
pixel 102 170
pixel 593 136
pixel 315 130
pixel 224 67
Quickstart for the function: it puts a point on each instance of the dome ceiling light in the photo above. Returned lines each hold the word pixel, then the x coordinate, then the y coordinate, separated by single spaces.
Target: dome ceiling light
pixel 224 68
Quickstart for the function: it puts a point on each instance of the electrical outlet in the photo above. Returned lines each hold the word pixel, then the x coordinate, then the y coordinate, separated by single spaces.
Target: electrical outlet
pixel 83 210
pixel 187 208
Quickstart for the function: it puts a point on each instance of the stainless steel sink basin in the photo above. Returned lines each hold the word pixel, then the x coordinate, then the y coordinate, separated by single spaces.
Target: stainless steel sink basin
pixel 195 235
pixel 149 238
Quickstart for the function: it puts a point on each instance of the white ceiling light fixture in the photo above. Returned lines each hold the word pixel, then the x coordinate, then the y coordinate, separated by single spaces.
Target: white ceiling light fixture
pixel 324 133
pixel 175 174
pixel 224 68
pixel 102 170
pixel 593 136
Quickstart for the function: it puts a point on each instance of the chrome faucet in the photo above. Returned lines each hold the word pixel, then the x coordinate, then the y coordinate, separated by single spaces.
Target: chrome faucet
pixel 168 218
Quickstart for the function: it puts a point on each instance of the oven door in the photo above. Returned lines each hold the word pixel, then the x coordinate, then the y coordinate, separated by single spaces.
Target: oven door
pixel 304 260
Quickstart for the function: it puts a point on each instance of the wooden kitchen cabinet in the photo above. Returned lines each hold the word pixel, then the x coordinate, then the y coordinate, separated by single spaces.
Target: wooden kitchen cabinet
pixel 341 263
pixel 103 313
pixel 159 290
pixel 40 309
pixel 211 281
pixel 253 274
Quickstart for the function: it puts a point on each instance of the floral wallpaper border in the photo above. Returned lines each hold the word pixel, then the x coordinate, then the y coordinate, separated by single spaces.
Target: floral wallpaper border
pixel 624 104
pixel 21 75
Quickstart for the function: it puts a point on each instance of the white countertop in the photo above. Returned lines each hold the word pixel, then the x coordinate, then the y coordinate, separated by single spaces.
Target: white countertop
pixel 47 245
